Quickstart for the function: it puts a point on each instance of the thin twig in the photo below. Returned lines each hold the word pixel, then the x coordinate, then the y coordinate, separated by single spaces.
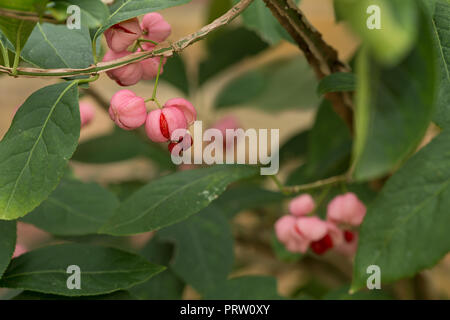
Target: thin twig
pixel 162 50
pixel 322 57
pixel 316 184
pixel 28 16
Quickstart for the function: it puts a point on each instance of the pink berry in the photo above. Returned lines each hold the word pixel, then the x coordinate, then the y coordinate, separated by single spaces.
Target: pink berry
pixel 127 110
pixel 284 227
pixel 19 250
pixel 286 234
pixel 346 209
pixel 87 113
pixel 350 245
pixel 120 36
pixel 184 106
pixel 127 75
pixel 150 68
pixel 155 28
pixel 161 123
pixel 301 205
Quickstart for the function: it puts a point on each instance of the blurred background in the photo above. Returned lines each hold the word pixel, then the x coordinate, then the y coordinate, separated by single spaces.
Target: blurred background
pixel 290 108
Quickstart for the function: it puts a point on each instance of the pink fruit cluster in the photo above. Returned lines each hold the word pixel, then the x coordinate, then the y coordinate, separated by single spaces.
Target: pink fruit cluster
pixel 299 232
pixel 129 112
pixel 122 35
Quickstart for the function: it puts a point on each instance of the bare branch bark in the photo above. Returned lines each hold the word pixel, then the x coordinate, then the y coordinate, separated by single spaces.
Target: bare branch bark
pixel 321 56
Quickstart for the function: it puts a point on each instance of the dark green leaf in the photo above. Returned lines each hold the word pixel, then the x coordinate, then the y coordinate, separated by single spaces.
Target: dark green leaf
pixel 274 87
pixel 246 288
pixel 175 73
pixel 119 146
pixel 56 46
pixel 7 243
pixel 103 270
pixel 227 48
pixel 246 197
pixel 217 8
pixel 203 249
pixel 159 203
pixel 406 228
pixel 93 12
pixel 35 150
pixel 441 27
pixel 342 294
pixel 259 18
pixel 329 148
pixel 337 82
pixel 18 31
pixel 295 147
pixel 394 107
pixel 164 286
pixel 30 295
pixel 74 209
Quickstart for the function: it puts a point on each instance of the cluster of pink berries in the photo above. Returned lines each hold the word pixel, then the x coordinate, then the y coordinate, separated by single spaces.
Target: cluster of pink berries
pixel 127 109
pixel 298 232
pixel 153 29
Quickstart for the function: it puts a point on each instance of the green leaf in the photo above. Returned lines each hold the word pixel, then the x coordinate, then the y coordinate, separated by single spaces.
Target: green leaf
pixel 203 249
pixel 441 27
pixel 56 46
pixel 217 8
pixel 246 197
pixel 119 146
pixel 159 203
pixel 259 18
pixel 329 148
pixel 228 48
pixel 164 286
pixel 35 150
pixel 337 82
pixel 342 294
pixel 329 142
pixel 7 243
pixel 399 20
pixel 93 12
pixel 30 295
pixel 74 209
pixel 394 107
pixel 246 288
pixel 103 270
pixel 274 87
pixel 295 147
pixel 18 31
pixel 175 73
pixel 406 228
pixel 122 10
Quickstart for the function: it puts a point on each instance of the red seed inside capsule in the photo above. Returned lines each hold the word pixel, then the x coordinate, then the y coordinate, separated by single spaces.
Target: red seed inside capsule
pixel 348 236
pixel 323 245
pixel 164 126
